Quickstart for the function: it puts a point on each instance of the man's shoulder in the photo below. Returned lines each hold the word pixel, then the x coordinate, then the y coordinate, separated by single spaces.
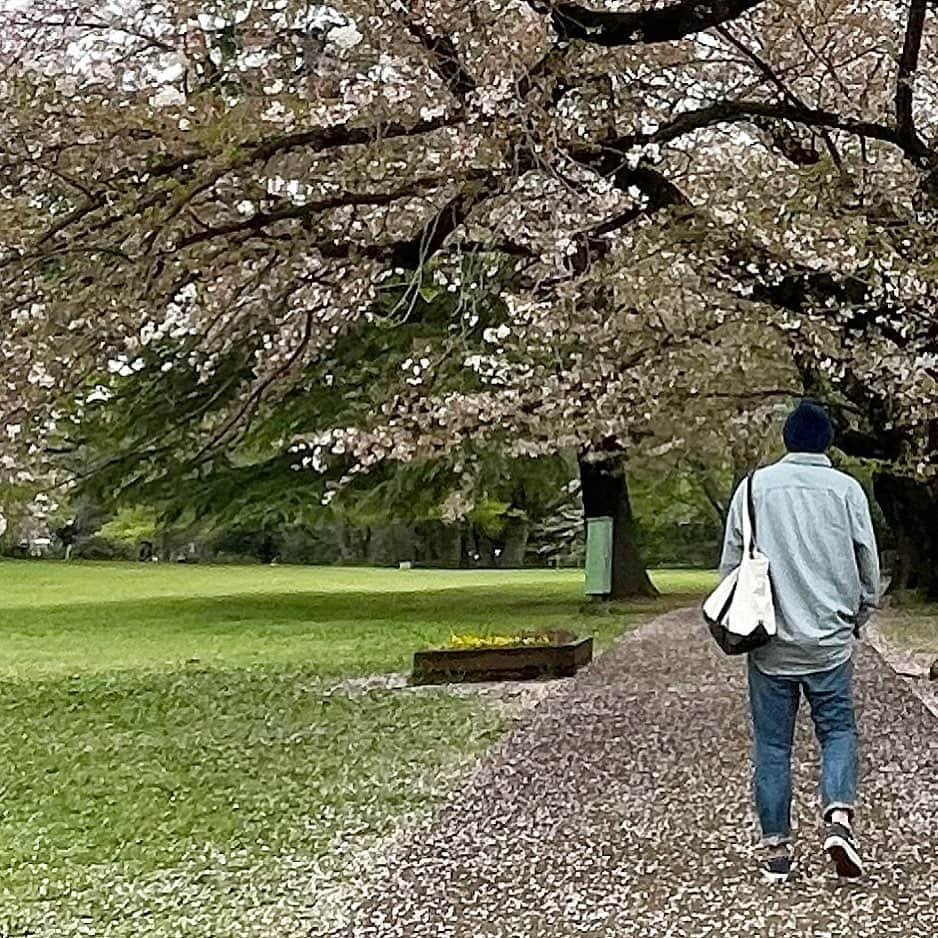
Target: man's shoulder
pixel 783 473
pixel 851 487
pixel 845 483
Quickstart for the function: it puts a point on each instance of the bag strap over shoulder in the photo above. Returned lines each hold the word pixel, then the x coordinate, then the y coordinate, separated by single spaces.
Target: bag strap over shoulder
pixel 749 518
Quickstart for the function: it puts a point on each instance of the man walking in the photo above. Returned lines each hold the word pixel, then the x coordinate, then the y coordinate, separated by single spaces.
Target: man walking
pixel 814 526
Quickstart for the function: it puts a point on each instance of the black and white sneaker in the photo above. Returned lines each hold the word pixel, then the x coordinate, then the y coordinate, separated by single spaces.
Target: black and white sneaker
pixel 842 849
pixel 778 869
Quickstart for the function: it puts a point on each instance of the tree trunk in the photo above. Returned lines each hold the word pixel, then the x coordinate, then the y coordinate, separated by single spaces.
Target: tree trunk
pixel 515 545
pixel 451 554
pixel 439 544
pixel 485 550
pixel 606 494
pixel 407 544
pixel 719 500
pixel 345 538
pixel 911 509
pixel 267 550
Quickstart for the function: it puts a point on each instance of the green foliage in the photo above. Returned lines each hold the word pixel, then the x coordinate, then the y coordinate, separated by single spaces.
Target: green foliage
pixel 102 548
pixel 16 502
pixel 490 516
pixel 396 492
pixel 131 526
pixel 675 521
pixel 156 439
pixel 144 439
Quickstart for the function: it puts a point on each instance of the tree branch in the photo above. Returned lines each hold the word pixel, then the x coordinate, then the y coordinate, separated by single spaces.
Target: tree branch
pixel 785 139
pixel 168 166
pixel 660 24
pixel 908 64
pixel 341 135
pixel 444 59
pixel 414 253
pixel 592 246
pixel 791 149
pixel 725 112
pixel 305 211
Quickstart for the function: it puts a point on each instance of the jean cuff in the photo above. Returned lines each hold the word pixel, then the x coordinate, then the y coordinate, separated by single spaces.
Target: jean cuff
pixel 775 840
pixel 838 806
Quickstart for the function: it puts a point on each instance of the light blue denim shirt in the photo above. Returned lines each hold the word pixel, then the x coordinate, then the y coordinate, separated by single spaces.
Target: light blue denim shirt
pixel 813 523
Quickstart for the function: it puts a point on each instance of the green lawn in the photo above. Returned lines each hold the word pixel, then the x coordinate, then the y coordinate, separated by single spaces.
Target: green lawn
pixel 173 762
pixel 80 618
pixel 914 626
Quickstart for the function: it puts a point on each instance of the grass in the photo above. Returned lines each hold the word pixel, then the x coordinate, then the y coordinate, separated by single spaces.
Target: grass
pixel 174 762
pixel 912 625
pixel 63 619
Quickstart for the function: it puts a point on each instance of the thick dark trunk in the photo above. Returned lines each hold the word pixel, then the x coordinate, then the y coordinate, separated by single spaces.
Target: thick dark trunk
pixel 515 543
pixel 267 550
pixel 452 549
pixel 911 509
pixel 443 545
pixel 405 544
pixel 606 494
pixel 480 550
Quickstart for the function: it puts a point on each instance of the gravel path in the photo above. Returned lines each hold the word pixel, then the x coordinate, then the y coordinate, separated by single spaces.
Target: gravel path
pixel 622 808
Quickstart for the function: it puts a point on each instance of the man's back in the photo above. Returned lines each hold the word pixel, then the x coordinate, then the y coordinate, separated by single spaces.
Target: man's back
pixel 813 524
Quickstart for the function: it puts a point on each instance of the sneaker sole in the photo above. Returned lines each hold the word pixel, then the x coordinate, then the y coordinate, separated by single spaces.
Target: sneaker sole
pixel 845 857
pixel 778 877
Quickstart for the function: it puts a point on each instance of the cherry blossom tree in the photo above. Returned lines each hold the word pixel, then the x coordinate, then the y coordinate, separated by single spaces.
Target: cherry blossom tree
pixel 554 227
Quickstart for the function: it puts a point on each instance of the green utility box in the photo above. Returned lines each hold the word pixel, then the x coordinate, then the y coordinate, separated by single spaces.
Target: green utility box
pixel 598 556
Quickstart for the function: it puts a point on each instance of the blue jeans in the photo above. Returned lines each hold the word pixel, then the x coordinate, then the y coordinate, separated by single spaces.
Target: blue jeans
pixel 774 702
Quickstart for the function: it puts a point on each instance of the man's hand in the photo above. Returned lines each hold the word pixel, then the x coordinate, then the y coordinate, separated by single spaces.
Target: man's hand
pixel 861 618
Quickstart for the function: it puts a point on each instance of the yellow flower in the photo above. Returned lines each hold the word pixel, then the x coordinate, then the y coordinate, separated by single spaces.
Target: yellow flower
pixel 496 641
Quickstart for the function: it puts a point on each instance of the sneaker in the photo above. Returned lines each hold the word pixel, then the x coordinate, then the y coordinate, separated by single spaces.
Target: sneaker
pixel 779 869
pixel 842 849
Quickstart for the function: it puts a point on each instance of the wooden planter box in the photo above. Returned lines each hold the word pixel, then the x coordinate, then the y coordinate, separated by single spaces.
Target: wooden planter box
pixel 520 663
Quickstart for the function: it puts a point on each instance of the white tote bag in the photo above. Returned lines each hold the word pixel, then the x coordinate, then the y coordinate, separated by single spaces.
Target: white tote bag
pixel 741 611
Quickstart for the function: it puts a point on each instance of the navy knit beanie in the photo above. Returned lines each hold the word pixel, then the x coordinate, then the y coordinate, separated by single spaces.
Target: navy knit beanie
pixel 808 428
